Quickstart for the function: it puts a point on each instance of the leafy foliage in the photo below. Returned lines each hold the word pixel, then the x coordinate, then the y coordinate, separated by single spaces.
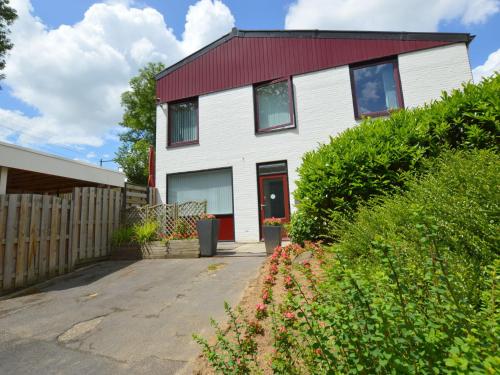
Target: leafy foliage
pixel 235 354
pixel 122 236
pixel 144 233
pixel 140 118
pixel 7 16
pixel 381 155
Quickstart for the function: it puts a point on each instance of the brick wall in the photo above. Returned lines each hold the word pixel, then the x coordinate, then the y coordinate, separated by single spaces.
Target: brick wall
pixel 324 108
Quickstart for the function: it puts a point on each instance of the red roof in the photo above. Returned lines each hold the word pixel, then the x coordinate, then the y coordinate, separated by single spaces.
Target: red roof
pixel 246 57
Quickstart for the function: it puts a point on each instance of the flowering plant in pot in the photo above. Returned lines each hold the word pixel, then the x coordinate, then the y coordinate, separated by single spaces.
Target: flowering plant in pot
pixel 208 234
pixel 271 230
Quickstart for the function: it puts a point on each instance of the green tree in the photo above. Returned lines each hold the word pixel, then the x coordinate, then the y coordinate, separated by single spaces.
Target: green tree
pixel 139 118
pixel 7 17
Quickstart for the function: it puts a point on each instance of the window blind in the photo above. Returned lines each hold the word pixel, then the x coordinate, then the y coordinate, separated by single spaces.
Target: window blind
pixel 213 186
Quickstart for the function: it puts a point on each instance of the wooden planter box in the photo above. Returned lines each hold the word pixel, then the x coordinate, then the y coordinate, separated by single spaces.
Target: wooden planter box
pixel 157 250
pixel 154 250
pixel 183 249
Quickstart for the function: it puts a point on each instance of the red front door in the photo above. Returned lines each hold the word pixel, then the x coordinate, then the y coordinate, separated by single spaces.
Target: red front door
pixel 274 197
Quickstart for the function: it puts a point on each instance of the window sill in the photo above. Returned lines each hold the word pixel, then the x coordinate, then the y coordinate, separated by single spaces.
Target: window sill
pixel 376 114
pixel 275 129
pixel 182 144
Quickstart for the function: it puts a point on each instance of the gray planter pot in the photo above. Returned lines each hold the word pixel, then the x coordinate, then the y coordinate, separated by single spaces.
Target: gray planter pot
pixel 208 235
pixel 272 237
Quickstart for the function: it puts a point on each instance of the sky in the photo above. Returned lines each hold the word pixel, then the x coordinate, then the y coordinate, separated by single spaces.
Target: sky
pixel 72 59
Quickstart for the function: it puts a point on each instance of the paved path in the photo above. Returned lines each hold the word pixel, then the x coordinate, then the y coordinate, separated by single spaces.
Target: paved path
pixel 123 317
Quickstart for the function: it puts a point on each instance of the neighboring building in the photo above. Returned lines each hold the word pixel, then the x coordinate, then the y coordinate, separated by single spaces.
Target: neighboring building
pixel 235 118
pixel 23 170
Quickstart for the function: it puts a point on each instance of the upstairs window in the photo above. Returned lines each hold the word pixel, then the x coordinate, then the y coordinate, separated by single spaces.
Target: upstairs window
pixel 183 122
pixel 376 88
pixel 273 106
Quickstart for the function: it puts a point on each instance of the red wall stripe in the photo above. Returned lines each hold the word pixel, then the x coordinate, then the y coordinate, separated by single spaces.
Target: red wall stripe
pixel 244 61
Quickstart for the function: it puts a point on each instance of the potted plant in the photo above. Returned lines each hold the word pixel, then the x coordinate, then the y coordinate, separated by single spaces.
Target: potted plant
pixel 271 231
pixel 208 234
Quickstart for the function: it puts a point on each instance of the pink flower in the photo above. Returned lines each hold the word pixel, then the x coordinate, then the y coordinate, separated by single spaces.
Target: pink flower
pixel 288 282
pixel 269 280
pixel 318 351
pixel 273 269
pixel 306 263
pixel 282 329
pixel 266 298
pixel 289 315
pixel 261 312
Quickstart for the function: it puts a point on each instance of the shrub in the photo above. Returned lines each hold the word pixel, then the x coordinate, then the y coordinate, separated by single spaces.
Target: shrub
pixel 410 288
pixel 418 274
pixel 146 232
pixel 381 155
pixel 122 236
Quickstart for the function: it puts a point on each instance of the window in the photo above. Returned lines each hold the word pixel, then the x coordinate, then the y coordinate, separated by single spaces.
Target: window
pixel 273 106
pixel 183 122
pixel 214 186
pixel 376 88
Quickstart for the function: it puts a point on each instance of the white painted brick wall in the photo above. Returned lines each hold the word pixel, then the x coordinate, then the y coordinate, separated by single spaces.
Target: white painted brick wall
pixel 324 108
pixel 425 74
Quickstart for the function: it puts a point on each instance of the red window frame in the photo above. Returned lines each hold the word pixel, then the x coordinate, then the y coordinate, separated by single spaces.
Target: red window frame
pixel 397 81
pixel 291 107
pixel 169 124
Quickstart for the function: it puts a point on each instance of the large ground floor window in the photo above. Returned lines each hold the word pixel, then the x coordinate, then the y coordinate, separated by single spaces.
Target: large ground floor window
pixel 214 186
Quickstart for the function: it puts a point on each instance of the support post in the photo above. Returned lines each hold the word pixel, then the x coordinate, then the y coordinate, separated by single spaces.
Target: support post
pixel 4 171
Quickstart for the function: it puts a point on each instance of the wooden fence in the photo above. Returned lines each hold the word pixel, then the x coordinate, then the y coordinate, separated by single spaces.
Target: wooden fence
pixel 138 196
pixel 45 236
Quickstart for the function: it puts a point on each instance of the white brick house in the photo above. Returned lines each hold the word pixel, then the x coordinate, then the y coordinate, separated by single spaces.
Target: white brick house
pixel 235 118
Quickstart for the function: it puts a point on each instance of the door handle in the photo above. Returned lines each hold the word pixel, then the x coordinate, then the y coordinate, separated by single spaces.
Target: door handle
pixel 262 205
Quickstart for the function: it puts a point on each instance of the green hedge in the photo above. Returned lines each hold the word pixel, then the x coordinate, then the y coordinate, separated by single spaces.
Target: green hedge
pixel 413 286
pixel 380 155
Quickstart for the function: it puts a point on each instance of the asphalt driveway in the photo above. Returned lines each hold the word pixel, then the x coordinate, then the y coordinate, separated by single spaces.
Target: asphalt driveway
pixel 122 317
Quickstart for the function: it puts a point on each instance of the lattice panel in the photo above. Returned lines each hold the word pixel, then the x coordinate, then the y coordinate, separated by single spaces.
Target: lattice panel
pixel 166 215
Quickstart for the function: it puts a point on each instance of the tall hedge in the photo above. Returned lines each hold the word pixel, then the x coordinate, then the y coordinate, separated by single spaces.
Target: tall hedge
pixel 379 155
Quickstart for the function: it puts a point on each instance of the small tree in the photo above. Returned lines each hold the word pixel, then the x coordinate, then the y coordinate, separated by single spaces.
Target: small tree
pixel 140 120
pixel 7 17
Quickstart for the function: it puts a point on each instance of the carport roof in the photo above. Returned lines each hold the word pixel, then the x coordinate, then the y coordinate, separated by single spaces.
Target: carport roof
pixel 21 158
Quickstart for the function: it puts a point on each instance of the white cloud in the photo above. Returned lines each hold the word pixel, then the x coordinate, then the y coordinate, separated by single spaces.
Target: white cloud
pixel 91 155
pixel 490 66
pixel 408 15
pixel 74 74
pixel 203 20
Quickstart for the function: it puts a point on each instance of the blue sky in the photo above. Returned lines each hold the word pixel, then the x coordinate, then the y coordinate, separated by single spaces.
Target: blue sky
pixel 72 59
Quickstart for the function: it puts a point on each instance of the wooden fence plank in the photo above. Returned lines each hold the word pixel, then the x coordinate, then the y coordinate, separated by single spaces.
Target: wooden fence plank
pixel 75 222
pixel 3 219
pixel 21 264
pixel 98 216
pixel 43 261
pixel 104 223
pixel 63 236
pixel 83 223
pixel 90 224
pixel 54 224
pixel 9 263
pixel 116 220
pixel 34 244
pixel 111 204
